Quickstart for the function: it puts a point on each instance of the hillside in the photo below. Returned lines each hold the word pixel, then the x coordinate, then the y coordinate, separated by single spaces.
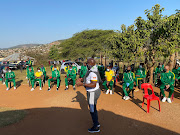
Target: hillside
pixel 41 48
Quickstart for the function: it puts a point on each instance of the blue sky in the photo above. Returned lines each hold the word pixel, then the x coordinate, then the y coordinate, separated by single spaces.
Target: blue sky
pixel 44 21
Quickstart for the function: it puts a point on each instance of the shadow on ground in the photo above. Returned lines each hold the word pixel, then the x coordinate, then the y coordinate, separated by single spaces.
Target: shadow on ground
pixel 68 121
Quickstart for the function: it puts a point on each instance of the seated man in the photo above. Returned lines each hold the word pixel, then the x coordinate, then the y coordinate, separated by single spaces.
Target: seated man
pixel 167 82
pixel 10 76
pixel 74 68
pixel 43 69
pixel 83 70
pixel 140 75
pixel 128 78
pixel 38 77
pixel 55 77
pixel 176 71
pixel 109 80
pixel 158 71
pixel 71 75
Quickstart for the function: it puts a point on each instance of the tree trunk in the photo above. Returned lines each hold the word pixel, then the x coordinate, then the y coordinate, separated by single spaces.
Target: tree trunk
pixel 171 61
pixel 176 57
pixel 151 75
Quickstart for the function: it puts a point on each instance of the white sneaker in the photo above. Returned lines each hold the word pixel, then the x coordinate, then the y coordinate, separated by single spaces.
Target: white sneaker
pixel 3 83
pixel 14 88
pixel 107 91
pixel 7 89
pixel 124 97
pixel 32 89
pixel 111 92
pixel 127 98
pixel 169 100
pixel 26 78
pixel 40 88
pixel 164 99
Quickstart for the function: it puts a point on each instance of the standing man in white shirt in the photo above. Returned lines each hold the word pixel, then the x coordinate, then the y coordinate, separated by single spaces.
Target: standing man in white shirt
pixel 91 83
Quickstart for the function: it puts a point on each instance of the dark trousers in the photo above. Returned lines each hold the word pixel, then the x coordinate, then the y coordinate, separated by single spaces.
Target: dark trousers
pixel 92 97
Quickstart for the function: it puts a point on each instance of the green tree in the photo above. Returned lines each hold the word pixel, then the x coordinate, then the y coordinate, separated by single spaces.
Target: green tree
pixel 88 43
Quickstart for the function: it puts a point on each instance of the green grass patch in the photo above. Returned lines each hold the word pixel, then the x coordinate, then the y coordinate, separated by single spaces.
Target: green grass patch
pixel 9 116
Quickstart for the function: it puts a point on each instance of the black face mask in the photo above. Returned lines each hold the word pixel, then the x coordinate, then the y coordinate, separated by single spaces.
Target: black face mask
pixel 128 70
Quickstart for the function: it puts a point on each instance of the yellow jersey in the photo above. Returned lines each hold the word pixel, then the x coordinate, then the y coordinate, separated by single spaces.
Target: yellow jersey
pixel 109 75
pixel 38 74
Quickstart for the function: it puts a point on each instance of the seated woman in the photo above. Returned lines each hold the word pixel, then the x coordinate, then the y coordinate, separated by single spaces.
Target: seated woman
pixel 109 80
pixel 38 77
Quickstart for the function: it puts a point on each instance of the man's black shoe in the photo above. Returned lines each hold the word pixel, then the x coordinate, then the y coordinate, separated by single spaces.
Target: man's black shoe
pixel 49 89
pixel 74 88
pixel 57 88
pixel 66 88
pixel 94 130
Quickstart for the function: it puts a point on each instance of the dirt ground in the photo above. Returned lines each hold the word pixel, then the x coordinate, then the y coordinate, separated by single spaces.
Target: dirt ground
pixel 66 113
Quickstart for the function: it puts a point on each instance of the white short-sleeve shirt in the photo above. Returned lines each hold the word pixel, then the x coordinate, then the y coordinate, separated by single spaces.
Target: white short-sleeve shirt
pixel 92 77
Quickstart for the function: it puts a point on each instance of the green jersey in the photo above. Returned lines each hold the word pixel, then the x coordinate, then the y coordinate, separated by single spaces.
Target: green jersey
pixel 10 75
pixel 74 68
pixel 129 77
pixel 71 74
pixel 159 69
pixel 56 73
pixel 141 72
pixel 168 78
pixel 176 72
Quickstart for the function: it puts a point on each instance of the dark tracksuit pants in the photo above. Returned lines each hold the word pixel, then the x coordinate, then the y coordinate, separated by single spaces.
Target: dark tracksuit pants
pixel 92 97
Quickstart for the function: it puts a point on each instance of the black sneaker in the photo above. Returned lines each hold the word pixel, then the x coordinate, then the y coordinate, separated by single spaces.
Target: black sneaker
pixel 57 89
pixel 49 89
pixel 66 88
pixel 74 88
pixel 94 130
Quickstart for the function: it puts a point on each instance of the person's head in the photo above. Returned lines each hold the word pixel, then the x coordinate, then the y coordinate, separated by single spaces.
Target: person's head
pixel 90 63
pixel 115 64
pixel 128 68
pixel 99 63
pixel 42 65
pixel 141 65
pixel 160 65
pixel 166 68
pixel 73 64
pixel 54 65
pixel 8 69
pixel 70 67
pixel 28 58
pixel 38 69
pixel 30 69
pixel 108 68
pixel 102 64
pixel 85 64
pixel 176 66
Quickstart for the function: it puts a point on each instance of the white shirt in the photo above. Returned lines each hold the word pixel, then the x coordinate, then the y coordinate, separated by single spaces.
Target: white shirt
pixel 92 77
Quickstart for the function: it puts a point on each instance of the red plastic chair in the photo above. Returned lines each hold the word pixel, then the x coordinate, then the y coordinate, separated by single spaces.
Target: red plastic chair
pixel 149 98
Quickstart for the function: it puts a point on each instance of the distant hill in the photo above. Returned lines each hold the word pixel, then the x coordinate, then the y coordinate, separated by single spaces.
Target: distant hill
pixel 21 46
pixel 32 45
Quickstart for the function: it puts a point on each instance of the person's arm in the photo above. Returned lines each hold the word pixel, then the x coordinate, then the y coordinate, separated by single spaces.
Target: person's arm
pixel 91 85
pixel 13 75
pixel 6 75
pixel 162 79
pixel 172 79
pixel 133 78
pixel 124 78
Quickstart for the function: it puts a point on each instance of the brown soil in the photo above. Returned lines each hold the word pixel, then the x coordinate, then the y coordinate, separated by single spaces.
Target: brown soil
pixel 57 113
